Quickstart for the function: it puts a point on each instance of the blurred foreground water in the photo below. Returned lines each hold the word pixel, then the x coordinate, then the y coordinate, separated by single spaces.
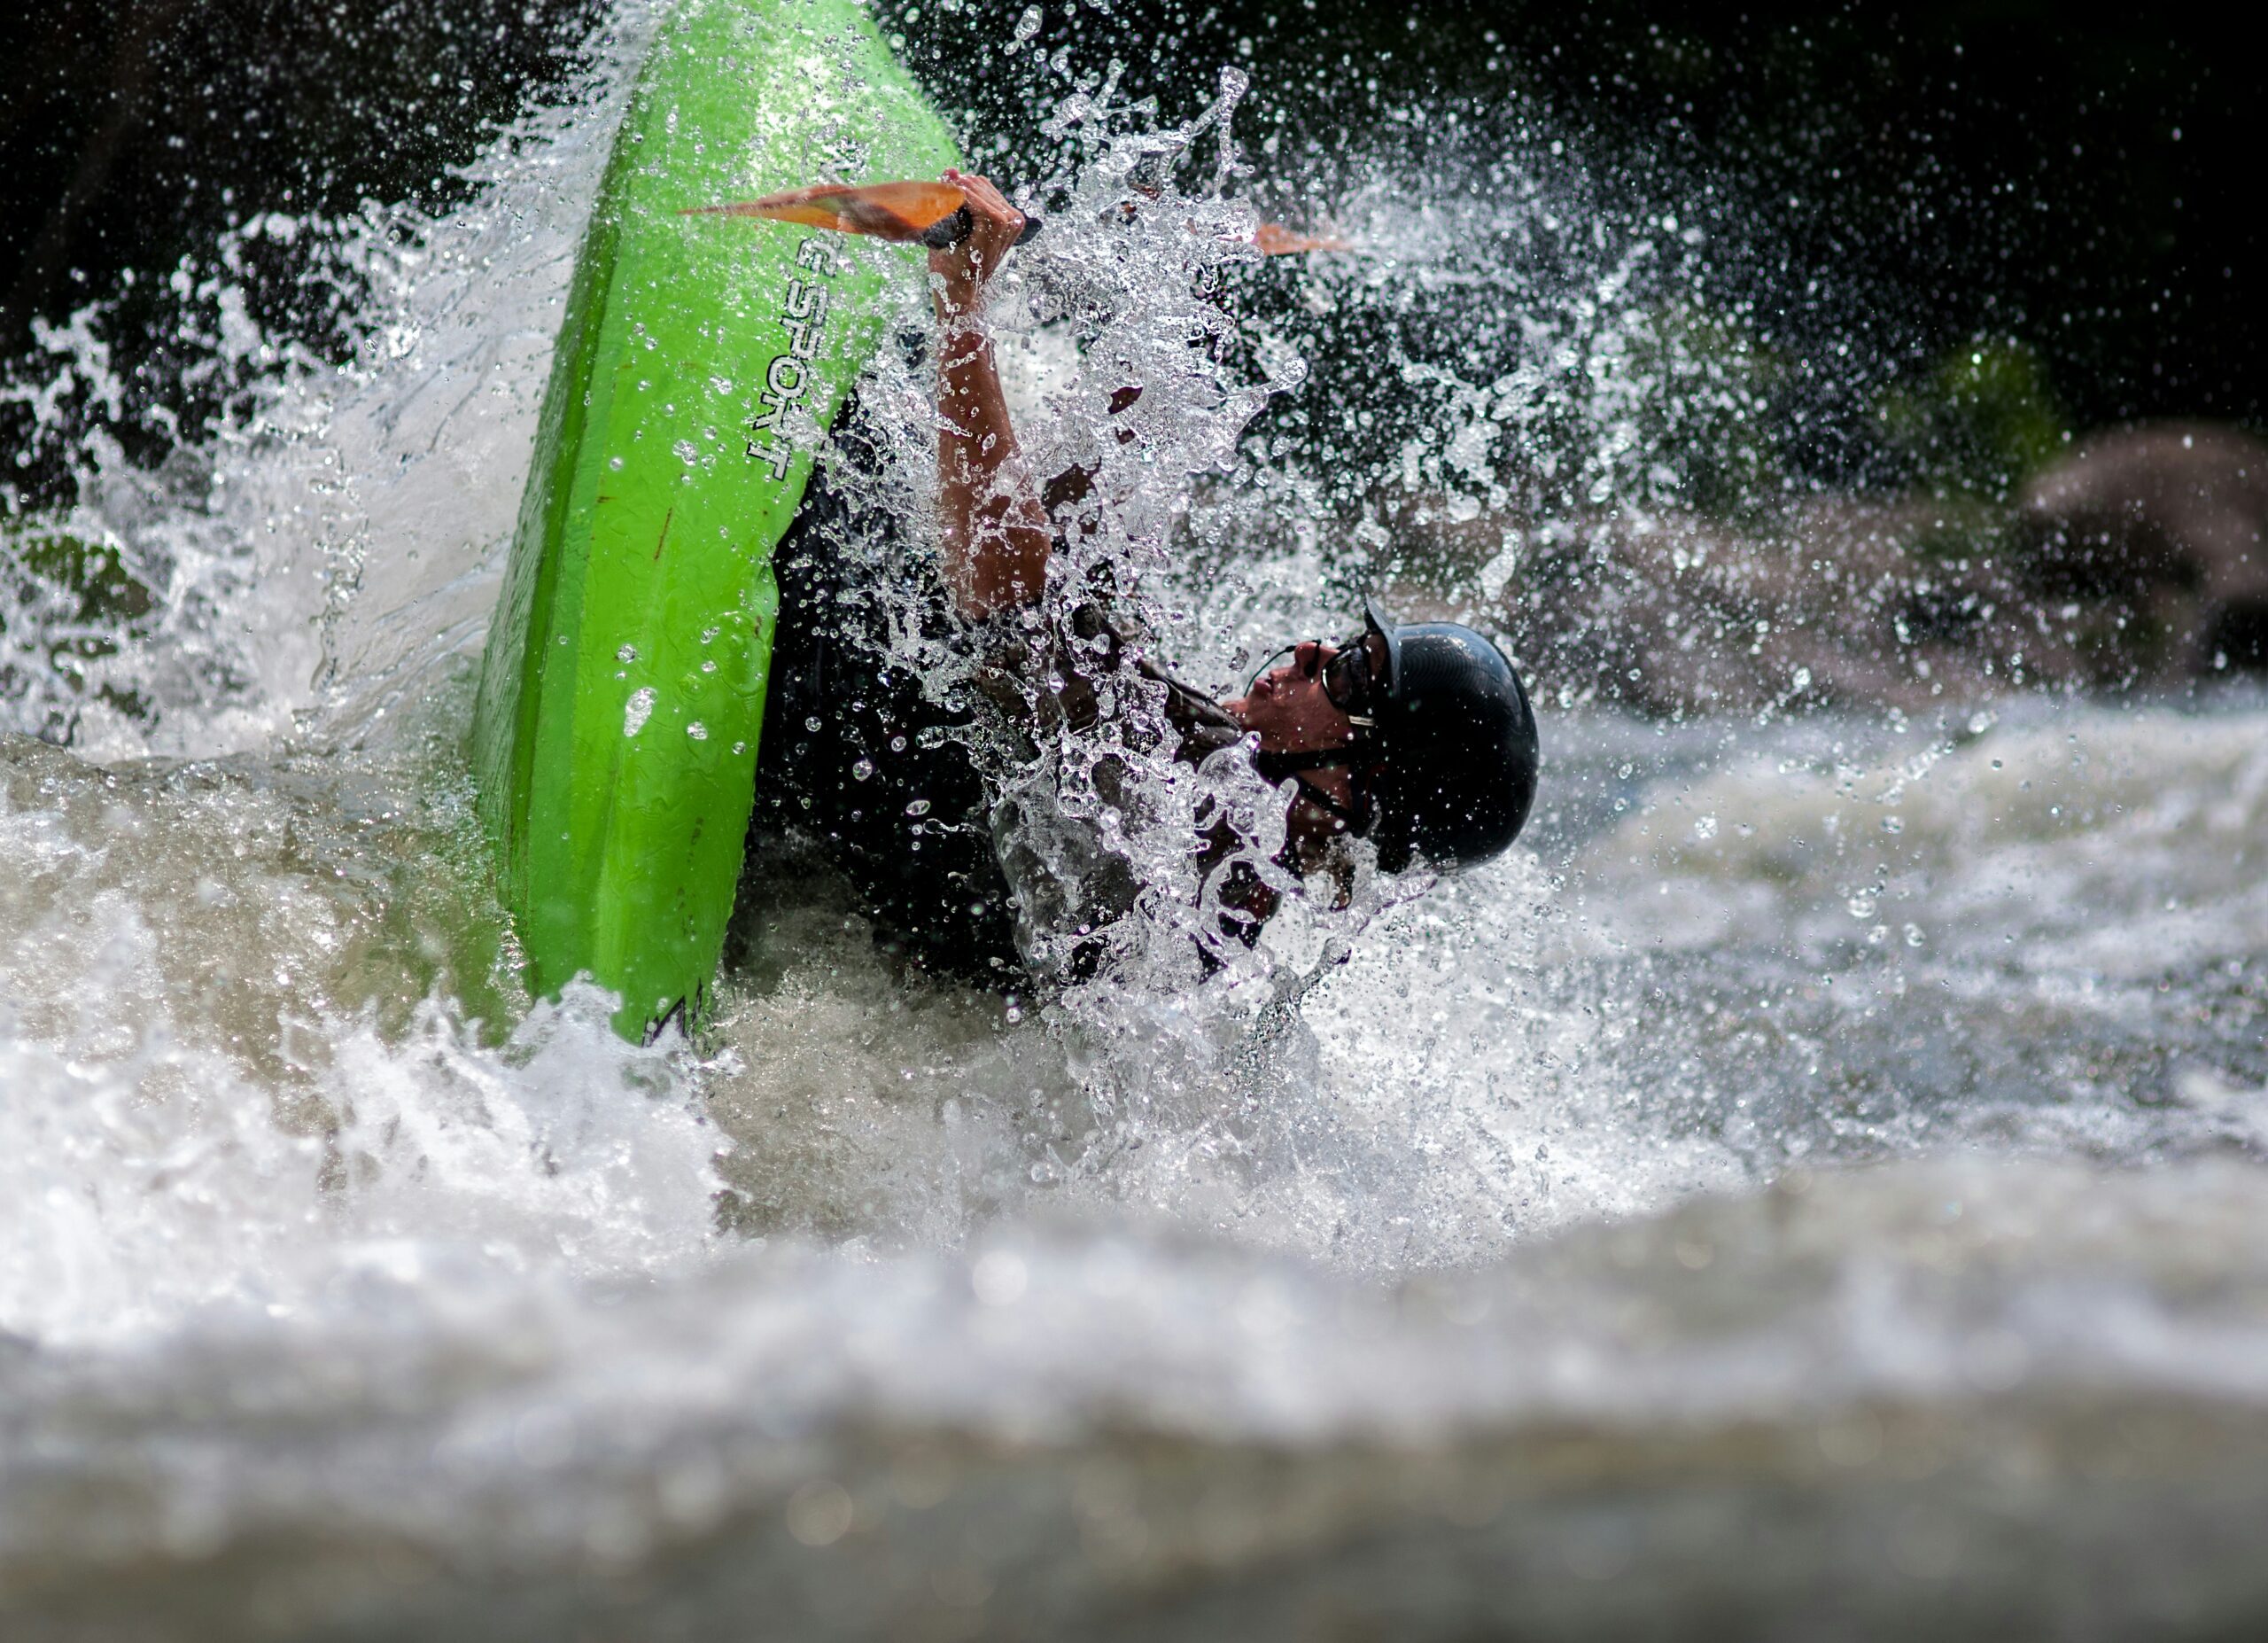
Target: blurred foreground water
pixel 1813 1187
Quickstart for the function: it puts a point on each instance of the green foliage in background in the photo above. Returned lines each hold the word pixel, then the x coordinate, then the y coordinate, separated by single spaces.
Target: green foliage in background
pixel 1664 406
pixel 66 603
pixel 1705 416
pixel 85 584
pixel 1980 423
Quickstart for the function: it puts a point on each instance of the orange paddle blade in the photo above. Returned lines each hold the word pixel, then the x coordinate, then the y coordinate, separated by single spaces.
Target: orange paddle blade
pixel 892 211
pixel 1274 240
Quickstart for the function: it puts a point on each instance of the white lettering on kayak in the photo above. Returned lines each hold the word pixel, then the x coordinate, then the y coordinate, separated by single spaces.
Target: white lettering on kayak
pixel 788 379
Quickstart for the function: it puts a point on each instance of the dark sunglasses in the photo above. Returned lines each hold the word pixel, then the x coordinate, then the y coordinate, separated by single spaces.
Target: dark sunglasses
pixel 1349 682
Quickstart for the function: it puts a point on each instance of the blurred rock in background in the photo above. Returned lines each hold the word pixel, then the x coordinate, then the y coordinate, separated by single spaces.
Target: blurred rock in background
pixel 2170 520
pixel 2133 562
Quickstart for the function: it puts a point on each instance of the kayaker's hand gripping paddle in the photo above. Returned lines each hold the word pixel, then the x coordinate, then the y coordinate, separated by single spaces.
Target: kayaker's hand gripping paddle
pixel 934 214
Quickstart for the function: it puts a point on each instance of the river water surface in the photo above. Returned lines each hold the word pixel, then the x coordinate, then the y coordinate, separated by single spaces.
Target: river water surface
pixel 1813 1186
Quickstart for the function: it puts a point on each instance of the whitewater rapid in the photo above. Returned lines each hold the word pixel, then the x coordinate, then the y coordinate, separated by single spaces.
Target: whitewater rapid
pixel 1817 1179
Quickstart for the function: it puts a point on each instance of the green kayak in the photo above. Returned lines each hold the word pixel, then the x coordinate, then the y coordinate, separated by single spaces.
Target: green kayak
pixel 699 360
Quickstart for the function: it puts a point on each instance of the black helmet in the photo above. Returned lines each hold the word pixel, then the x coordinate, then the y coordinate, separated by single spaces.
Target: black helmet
pixel 1455 771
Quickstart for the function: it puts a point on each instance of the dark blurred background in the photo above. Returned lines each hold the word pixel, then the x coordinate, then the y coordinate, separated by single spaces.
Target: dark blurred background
pixel 1901 179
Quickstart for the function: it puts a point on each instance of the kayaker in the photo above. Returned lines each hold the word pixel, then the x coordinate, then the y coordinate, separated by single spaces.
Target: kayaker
pixel 1416 736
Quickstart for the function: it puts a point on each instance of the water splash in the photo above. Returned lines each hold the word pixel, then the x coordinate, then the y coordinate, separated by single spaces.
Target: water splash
pixel 317 1237
pixel 313 546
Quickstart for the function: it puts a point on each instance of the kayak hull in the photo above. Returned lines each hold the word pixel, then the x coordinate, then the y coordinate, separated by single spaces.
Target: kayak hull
pixel 699 358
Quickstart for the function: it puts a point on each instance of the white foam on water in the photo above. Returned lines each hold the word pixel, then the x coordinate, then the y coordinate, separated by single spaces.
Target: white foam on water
pixel 157 1186
pixel 1059 1421
pixel 2115 842
pixel 225 1092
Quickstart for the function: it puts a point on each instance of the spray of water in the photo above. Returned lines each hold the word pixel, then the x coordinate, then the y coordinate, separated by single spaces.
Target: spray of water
pixel 1276 1089
pixel 1417 1073
pixel 483 1282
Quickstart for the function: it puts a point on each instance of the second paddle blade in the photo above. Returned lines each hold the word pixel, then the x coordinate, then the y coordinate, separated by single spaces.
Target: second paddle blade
pixel 1274 240
pixel 899 212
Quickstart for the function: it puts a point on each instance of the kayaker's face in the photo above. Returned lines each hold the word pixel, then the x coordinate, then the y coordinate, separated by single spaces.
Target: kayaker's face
pixel 1292 708
pixel 1289 708
pixel 1302 704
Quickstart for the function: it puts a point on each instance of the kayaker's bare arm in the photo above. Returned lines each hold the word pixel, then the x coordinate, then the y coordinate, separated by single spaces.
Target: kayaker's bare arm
pixel 995 535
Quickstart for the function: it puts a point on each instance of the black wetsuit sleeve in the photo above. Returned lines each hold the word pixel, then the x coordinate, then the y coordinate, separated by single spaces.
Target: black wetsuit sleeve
pixel 861 762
